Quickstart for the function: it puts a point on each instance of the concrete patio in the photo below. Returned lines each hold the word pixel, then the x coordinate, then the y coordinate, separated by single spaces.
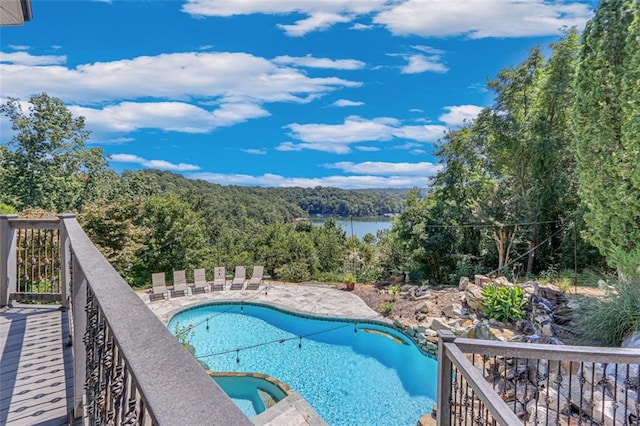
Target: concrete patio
pixel 312 299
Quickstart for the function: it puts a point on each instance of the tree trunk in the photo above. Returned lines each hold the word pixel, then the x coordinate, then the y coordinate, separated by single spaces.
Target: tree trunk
pixel 533 241
pixel 504 240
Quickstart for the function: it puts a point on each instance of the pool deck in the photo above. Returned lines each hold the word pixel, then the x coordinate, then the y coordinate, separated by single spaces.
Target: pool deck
pixel 311 299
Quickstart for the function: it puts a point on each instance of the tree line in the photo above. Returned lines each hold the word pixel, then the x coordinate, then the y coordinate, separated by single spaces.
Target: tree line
pixel 546 178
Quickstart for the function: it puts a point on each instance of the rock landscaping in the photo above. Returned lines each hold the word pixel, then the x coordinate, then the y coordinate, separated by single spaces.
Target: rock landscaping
pixel 540 391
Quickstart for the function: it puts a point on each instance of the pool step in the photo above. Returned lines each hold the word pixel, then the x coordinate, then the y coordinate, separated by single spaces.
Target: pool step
pixel 266 398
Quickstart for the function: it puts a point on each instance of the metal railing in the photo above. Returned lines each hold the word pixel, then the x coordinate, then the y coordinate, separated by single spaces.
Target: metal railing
pixel 495 383
pixel 128 368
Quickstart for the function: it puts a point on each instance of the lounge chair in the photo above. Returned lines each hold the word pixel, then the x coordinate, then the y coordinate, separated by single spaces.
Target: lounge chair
pixel 200 283
pixel 219 279
pixel 179 283
pixel 239 278
pixel 159 288
pixel 256 278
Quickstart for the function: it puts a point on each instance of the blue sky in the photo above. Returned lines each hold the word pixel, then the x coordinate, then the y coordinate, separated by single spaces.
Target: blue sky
pixel 350 94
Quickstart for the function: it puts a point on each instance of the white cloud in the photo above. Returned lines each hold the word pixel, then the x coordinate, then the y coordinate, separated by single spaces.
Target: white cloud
pixel 311 62
pixel 235 85
pixel 346 103
pixel 483 18
pixel 320 14
pixel 458 114
pixel 254 151
pixel 333 148
pixel 169 116
pixel 153 164
pixel 24 58
pixel 336 138
pixel 366 148
pixel 386 168
pixel 361 27
pixel 428 60
pixel 419 63
pixel 316 22
pixel 350 182
pixel 427 18
pixel 214 75
pixel 19 47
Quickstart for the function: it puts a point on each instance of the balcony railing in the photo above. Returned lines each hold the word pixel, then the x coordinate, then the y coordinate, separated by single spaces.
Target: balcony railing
pixel 494 383
pixel 128 368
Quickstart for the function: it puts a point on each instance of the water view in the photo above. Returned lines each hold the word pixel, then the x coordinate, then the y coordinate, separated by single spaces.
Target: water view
pixel 359 227
pixel 351 374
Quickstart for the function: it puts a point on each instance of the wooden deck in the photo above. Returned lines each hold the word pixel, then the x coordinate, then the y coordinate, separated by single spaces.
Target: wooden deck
pixel 36 365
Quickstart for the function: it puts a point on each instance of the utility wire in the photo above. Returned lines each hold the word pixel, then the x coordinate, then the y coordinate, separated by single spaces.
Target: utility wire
pixel 257 345
pixel 527 252
pixel 489 225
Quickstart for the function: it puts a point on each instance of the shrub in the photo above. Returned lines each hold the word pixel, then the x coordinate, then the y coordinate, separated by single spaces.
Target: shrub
pixel 504 304
pixel 394 290
pixel 183 335
pixel 607 322
pixel 386 308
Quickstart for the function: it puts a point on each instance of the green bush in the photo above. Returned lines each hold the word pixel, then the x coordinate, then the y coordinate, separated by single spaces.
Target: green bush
pixel 349 278
pixel 386 308
pixel 504 304
pixel 607 322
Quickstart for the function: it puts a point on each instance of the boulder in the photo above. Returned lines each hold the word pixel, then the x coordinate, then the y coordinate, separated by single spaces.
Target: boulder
pixel 426 308
pixel 464 282
pixel 525 326
pixel 632 341
pixel 481 280
pixel 543 416
pixel 502 281
pixel 453 310
pixel 473 297
pixel 438 324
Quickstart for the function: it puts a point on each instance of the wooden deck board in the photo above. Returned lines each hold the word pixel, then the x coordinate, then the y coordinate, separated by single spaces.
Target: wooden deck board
pixel 36 366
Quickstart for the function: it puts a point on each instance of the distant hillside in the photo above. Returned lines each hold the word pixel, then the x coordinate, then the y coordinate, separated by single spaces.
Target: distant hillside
pixel 287 202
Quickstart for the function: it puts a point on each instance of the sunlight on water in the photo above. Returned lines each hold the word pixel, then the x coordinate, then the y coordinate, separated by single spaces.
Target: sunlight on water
pixel 350 378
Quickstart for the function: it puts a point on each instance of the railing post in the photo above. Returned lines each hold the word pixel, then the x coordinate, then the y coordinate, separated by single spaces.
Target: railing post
pixel 78 303
pixel 8 271
pixel 65 256
pixel 444 379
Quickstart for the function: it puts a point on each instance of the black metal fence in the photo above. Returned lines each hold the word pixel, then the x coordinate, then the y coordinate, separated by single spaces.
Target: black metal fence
pixel 496 383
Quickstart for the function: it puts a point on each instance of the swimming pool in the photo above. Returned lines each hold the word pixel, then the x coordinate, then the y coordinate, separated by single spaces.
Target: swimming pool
pixel 351 373
pixel 251 394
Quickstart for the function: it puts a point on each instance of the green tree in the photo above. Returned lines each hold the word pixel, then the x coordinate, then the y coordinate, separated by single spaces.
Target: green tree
pixel 176 239
pixel 607 129
pixel 113 229
pixel 46 163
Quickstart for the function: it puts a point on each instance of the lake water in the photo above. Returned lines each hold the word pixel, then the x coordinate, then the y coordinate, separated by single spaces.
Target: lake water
pixel 361 226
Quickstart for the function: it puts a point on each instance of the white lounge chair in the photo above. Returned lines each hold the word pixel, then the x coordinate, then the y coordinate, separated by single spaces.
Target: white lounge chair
pixel 239 278
pixel 200 283
pixel 179 283
pixel 256 278
pixel 159 286
pixel 219 279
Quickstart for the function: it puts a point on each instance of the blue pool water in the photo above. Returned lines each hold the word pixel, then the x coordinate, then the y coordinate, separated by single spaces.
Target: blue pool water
pixel 373 377
pixel 243 390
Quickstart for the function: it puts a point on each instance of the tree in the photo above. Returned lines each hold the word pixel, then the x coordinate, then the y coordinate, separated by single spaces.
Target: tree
pixel 176 239
pixel 46 163
pixel 607 129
